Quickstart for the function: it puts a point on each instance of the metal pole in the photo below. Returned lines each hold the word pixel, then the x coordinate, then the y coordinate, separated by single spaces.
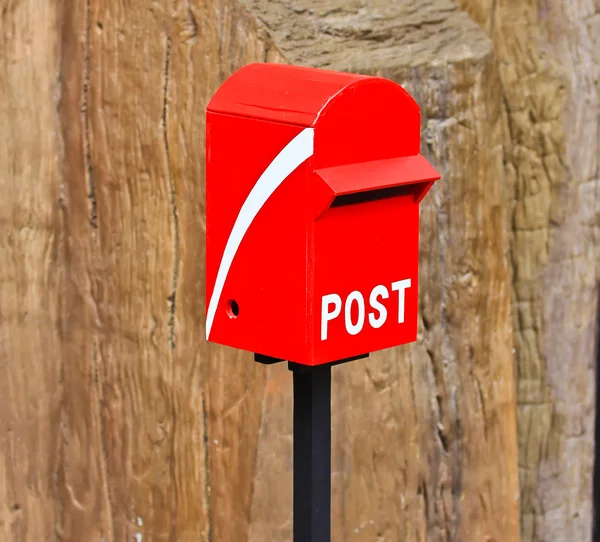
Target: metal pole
pixel 312 453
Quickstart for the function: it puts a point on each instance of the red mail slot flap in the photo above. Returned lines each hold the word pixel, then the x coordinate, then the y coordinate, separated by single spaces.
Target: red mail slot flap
pixel 379 175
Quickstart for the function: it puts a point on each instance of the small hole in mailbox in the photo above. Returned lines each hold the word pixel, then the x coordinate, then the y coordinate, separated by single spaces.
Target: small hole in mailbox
pixel 233 309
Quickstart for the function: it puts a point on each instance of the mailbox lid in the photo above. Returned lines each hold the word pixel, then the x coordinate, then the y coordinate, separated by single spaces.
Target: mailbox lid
pixel 280 93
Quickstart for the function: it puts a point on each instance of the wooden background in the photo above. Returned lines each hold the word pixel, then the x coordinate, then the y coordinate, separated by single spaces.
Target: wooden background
pixel 118 421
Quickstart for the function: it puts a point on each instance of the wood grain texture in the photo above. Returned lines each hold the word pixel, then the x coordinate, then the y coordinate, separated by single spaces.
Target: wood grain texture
pixel 30 178
pixel 549 60
pixel 159 438
pixel 425 435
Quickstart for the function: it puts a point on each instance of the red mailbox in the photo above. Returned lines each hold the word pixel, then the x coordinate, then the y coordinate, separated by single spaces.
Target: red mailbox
pixel 313 184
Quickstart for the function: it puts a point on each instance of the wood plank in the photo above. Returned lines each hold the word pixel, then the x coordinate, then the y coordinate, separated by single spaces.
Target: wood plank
pixel 425 435
pixel 160 437
pixel 30 178
pixel 82 485
pixel 549 64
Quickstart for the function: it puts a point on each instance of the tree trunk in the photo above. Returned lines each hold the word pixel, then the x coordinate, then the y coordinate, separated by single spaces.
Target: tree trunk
pixel 549 59
pixel 30 273
pixel 425 435
pixel 144 403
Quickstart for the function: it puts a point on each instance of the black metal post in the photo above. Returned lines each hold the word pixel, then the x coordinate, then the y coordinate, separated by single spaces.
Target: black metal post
pixel 312 453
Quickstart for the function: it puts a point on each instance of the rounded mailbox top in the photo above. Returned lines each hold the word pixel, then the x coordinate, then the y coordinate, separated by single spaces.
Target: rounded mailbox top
pixel 299 95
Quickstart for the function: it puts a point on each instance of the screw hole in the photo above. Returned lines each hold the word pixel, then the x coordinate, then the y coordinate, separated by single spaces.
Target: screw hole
pixel 233 309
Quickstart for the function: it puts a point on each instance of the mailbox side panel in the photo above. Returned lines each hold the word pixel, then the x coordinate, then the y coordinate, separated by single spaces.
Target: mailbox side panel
pixel 260 303
pixel 366 278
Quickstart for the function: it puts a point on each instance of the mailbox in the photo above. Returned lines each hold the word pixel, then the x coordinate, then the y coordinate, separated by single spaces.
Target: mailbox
pixel 313 184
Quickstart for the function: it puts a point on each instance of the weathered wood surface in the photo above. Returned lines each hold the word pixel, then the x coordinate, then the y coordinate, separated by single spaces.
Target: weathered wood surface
pixel 30 173
pixel 425 436
pixel 549 61
pixel 121 423
pixel 160 437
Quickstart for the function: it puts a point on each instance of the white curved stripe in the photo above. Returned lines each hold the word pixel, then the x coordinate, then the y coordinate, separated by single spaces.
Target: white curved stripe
pixel 292 155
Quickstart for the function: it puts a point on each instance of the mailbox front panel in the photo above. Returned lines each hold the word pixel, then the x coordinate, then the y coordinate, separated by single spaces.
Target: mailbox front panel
pixel 366 277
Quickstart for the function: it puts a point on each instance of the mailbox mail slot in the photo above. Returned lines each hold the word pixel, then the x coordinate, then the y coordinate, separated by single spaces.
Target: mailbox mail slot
pixel 313 185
